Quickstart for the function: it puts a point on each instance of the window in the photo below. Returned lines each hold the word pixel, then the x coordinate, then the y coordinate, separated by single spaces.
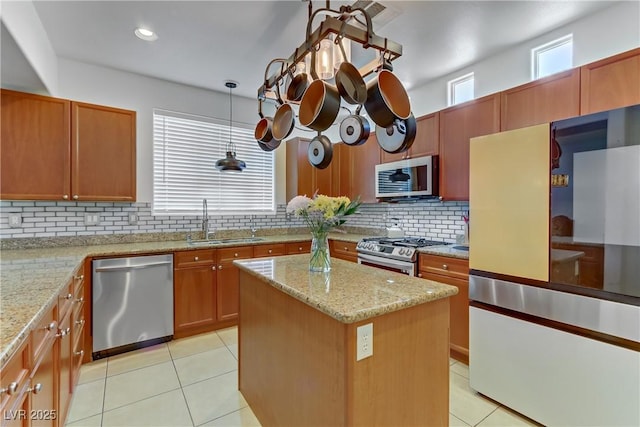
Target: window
pixel 460 89
pixel 552 57
pixel 185 150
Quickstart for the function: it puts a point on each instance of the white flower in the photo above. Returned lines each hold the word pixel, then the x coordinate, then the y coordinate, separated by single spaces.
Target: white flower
pixel 298 204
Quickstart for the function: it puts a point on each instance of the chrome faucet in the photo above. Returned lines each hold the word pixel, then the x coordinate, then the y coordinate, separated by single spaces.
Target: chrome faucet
pixel 205 220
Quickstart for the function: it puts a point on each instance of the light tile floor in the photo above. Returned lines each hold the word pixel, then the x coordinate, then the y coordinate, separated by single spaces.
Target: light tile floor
pixel 194 382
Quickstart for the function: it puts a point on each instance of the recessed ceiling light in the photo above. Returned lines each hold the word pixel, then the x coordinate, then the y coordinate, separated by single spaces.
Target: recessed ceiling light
pixel 144 34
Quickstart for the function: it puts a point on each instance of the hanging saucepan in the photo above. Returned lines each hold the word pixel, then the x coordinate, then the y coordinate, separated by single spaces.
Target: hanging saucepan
pixel 320 151
pixel 355 129
pixel 270 146
pixel 387 99
pixel 297 84
pixel 320 103
pixel 283 122
pixel 263 132
pixel 398 137
pixel 350 83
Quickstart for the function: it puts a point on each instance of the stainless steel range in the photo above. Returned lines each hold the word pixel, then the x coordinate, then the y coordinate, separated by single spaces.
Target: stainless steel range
pixel 396 254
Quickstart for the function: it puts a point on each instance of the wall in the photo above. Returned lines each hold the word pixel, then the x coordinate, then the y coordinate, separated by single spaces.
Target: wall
pixel 435 220
pixel 593 39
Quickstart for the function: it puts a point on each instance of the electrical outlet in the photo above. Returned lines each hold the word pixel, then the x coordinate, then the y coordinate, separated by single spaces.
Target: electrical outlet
pixel 15 220
pixel 133 219
pixel 364 341
pixel 91 219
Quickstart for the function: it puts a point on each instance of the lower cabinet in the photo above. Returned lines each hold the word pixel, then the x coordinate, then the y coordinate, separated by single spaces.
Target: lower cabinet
pixel 454 272
pixel 228 280
pixel 194 284
pixel 298 247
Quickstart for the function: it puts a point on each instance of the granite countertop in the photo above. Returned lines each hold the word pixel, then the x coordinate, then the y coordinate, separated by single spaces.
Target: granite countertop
pixel 445 250
pixel 30 279
pixel 350 292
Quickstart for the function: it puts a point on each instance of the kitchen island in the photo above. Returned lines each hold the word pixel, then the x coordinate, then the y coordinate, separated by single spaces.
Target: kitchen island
pixel 298 345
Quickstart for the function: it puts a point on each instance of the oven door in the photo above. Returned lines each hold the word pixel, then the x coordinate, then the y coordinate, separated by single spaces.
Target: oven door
pixel 404 267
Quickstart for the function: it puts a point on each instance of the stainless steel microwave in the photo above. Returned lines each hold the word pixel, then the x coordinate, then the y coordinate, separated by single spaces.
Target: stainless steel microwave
pixel 409 178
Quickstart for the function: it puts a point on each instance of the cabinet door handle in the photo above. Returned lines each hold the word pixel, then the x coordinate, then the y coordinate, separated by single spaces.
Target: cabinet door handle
pixel 213 267
pixel 11 389
pixel 63 332
pixel 220 267
pixel 51 326
pixel 67 297
pixel 419 274
pixel 79 353
pixel 75 197
pixel 80 277
pixel 35 389
pixel 80 300
pixel 445 267
pixel 80 322
pixel 65 197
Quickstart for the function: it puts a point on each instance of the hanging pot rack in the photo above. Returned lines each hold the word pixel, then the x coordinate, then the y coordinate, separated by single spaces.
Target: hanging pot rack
pixel 341 28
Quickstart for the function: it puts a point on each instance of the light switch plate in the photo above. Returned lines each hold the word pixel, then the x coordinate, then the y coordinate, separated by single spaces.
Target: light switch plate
pixel 133 219
pixel 91 219
pixel 364 341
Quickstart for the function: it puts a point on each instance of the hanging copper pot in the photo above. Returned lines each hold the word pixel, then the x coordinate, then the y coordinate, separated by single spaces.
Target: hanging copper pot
pixel 387 100
pixel 398 137
pixel 283 122
pixel 319 106
pixel 320 152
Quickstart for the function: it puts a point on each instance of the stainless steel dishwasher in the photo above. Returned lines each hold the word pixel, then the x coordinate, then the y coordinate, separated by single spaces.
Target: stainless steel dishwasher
pixel 132 303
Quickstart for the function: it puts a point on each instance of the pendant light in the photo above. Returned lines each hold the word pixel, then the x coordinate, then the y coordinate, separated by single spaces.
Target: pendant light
pixel 230 162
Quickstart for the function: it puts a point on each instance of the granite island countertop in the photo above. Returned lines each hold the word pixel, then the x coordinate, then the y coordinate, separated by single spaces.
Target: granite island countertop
pixel 30 279
pixel 350 292
pixel 445 250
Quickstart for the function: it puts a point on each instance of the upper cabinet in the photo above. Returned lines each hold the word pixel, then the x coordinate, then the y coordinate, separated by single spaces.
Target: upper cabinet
pixel 426 142
pixel 302 177
pixel 356 169
pixel 35 149
pixel 611 83
pixel 541 101
pixel 457 125
pixel 55 149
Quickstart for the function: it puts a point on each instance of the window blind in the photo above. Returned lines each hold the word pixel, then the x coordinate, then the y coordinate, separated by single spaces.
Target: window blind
pixel 185 150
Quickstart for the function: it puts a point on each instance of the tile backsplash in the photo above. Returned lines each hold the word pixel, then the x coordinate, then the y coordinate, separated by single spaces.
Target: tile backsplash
pixel 432 219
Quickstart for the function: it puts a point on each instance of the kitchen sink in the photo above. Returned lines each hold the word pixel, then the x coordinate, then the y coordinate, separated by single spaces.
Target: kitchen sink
pixel 460 248
pixel 212 242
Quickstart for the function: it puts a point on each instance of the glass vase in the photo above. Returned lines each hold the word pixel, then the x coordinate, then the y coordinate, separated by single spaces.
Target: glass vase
pixel 320 259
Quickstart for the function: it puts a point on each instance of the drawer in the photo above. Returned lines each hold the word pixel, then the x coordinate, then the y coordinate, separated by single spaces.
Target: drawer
pixel 238 252
pixel 65 299
pixel 446 266
pixel 14 379
pixel 298 248
pixel 78 279
pixel 194 258
pixel 346 248
pixel 269 250
pixel 43 334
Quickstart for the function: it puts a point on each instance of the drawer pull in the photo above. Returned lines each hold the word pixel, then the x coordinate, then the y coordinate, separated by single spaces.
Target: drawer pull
pixel 299 248
pixel 445 267
pixel 51 326
pixel 195 258
pixel 35 389
pixel 80 277
pixel 346 249
pixel 270 250
pixel 13 387
pixel 419 274
pixel 235 255
pixel 67 297
pixel 79 353
pixel 80 322
pixel 63 332
pixel 80 300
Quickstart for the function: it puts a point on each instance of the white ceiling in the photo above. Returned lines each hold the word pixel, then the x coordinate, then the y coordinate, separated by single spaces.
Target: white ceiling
pixel 204 43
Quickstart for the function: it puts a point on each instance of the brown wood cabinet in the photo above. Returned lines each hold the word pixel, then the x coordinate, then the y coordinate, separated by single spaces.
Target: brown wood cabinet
pixel 343 250
pixel 269 250
pixel 356 170
pixel 14 382
pixel 541 101
pixel 457 125
pixel 302 177
pixel 56 149
pixel 194 285
pixel 228 280
pixel 455 272
pixel 610 83
pixel 426 142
